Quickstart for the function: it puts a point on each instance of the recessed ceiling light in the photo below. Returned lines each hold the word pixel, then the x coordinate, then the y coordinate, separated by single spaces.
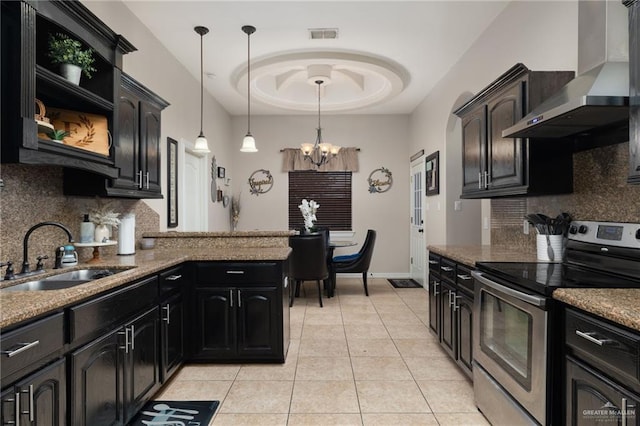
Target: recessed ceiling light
pixel 323 33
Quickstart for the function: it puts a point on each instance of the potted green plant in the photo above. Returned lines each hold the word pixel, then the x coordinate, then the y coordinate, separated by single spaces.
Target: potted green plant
pixel 73 60
pixel 57 135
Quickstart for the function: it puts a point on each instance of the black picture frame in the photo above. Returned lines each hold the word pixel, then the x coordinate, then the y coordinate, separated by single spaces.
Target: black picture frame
pixel 221 172
pixel 172 183
pixel 432 173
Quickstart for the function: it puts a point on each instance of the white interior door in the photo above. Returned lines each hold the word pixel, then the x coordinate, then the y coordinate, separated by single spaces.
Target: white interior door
pixel 418 249
pixel 193 195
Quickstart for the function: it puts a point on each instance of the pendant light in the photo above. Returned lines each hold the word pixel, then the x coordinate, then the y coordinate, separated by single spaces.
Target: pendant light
pixel 326 151
pixel 201 144
pixel 248 143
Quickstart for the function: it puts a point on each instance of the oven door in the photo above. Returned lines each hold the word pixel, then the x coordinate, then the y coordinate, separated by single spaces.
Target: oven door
pixel 510 342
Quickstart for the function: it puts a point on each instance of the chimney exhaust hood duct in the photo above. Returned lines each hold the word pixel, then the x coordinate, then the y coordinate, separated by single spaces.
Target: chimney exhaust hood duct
pixel 599 95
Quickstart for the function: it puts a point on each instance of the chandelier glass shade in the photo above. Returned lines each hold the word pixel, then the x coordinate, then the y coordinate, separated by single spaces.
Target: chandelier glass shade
pixel 319 152
pixel 201 145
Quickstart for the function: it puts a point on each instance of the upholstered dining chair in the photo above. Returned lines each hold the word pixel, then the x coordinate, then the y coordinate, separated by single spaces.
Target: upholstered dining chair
pixel 356 262
pixel 308 262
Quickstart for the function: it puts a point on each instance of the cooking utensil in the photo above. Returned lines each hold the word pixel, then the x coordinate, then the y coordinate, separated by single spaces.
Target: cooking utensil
pixel 550 252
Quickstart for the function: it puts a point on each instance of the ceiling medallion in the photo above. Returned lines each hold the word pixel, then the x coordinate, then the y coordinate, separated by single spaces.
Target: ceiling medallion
pixel 357 80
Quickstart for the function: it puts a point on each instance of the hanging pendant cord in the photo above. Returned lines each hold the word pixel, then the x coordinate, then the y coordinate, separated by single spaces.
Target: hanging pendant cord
pixel 201 82
pixel 319 138
pixel 248 83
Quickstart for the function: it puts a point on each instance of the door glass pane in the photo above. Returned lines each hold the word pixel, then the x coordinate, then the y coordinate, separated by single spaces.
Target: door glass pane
pixel 505 335
pixel 417 198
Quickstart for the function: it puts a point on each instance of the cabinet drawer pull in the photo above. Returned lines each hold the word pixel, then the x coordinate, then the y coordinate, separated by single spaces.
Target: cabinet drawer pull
pixel 589 336
pixel 126 340
pixel 139 179
pixel 433 262
pixel 29 411
pixel 24 347
pixel 167 309
pixel 133 337
pixel 17 411
pixel 147 180
pixel 464 277
pixel 235 272
pixel 446 268
pixel 173 277
pixel 455 304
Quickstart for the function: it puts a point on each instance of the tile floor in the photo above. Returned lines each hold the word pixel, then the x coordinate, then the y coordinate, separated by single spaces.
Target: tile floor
pixel 357 361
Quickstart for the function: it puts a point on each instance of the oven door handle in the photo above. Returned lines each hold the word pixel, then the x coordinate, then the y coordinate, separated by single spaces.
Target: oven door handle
pixel 527 298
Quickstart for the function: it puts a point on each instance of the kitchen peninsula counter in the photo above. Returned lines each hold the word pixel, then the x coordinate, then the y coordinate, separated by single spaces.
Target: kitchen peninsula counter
pixel 19 306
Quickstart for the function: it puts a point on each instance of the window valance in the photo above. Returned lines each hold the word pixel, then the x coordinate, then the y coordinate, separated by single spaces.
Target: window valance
pixel 345 161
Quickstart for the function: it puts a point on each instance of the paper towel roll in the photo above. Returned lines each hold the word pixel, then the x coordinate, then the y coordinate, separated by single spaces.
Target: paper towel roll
pixel 127 234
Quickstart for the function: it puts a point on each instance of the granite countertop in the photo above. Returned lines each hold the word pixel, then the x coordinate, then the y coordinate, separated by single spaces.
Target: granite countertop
pixel 617 305
pixel 22 305
pixel 471 254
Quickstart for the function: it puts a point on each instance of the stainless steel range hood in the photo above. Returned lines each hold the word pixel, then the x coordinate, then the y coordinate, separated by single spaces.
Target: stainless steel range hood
pixel 598 97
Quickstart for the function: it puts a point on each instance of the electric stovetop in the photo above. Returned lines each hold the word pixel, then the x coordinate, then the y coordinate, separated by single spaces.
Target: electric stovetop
pixel 598 255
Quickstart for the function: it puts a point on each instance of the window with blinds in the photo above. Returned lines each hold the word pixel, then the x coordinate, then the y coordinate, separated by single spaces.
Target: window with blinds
pixel 332 190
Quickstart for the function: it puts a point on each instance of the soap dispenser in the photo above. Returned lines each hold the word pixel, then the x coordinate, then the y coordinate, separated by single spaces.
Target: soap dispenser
pixel 86 230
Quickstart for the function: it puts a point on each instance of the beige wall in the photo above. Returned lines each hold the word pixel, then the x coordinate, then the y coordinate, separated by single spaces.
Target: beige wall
pixel 156 68
pixel 383 140
pixel 543 36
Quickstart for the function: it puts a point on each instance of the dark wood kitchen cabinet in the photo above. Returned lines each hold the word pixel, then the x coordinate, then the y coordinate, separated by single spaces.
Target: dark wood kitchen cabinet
pixel 34 389
pixel 39 399
pixel 241 312
pixel 136 148
pixel 634 90
pixel 115 363
pixel 602 378
pixel 28 74
pixel 173 284
pixel 494 166
pixel 434 293
pixel 451 308
pixel 96 382
pixel 113 376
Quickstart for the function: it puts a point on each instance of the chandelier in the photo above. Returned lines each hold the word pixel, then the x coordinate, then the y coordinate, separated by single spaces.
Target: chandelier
pixel 320 152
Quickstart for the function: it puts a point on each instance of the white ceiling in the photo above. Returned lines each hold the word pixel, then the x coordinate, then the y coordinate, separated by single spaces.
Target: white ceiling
pixel 421 40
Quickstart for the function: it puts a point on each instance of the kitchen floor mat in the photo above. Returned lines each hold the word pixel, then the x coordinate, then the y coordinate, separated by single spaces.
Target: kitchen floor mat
pixel 404 283
pixel 175 413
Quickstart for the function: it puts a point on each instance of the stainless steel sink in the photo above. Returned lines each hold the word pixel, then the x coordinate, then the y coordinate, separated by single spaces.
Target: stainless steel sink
pixel 64 280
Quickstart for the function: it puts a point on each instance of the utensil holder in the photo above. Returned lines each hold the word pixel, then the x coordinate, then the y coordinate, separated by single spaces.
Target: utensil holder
pixel 557 244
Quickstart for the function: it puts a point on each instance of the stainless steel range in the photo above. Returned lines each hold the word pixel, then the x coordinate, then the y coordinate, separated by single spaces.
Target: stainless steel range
pixel 517 331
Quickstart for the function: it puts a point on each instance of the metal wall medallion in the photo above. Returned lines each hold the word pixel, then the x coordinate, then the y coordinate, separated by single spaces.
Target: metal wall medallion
pixel 260 182
pixel 380 180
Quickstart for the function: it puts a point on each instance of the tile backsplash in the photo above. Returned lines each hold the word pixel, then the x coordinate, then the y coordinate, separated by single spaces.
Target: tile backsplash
pixel 33 194
pixel 600 192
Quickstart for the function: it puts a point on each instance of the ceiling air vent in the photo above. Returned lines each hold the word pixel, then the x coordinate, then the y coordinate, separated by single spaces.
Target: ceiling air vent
pixel 323 33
